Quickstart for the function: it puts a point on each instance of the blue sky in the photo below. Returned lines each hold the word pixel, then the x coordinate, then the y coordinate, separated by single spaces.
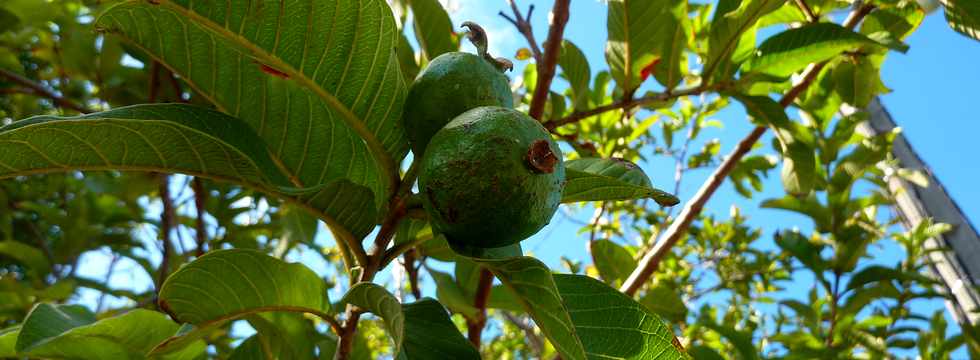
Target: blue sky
pixel 932 99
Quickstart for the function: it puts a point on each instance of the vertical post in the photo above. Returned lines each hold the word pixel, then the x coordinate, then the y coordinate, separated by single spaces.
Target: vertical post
pixel 958 268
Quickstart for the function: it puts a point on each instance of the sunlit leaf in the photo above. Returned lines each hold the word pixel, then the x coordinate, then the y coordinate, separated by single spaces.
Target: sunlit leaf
pixel 641 34
pixel 799 160
pixel 614 262
pixel 575 69
pixel 963 16
pixel 732 35
pixel 593 179
pixel 792 50
pixel 433 28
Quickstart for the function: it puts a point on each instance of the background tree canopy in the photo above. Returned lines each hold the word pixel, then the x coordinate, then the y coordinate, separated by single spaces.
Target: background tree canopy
pixel 187 180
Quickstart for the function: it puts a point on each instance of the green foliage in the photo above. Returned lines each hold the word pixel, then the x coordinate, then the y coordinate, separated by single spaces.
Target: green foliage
pixel 293 112
pixel 593 179
pixel 963 16
pixel 600 314
pixel 288 93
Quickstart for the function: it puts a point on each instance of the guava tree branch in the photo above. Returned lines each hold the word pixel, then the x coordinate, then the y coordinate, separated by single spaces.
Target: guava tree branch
pixel 807 11
pixel 549 58
pixel 41 90
pixel 475 327
pixel 651 260
pixel 523 25
pixel 375 261
pixel 624 103
pixel 166 227
pixel 200 197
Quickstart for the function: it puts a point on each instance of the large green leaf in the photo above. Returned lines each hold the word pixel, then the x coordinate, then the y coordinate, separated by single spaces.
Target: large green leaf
pixel 593 179
pixel 375 299
pixel 70 332
pixel 173 138
pixel 575 69
pixel 898 22
pixel 225 285
pixel 732 35
pixel 614 326
pixel 963 16
pixel 614 262
pixel 673 62
pixel 641 33
pixel 318 80
pixel 531 282
pixel 165 137
pixel 792 50
pixel 433 28
pixel 431 334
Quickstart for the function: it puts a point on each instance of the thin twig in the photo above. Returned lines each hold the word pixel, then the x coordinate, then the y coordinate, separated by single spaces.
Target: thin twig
pixel 834 297
pixel 41 90
pixel 166 227
pixel 200 197
pixel 413 273
pixel 401 248
pixel 678 228
pixel 549 58
pixel 375 261
pixel 807 11
pixel 653 98
pixel 154 87
pixel 475 327
pixel 108 276
pixel 523 25
pixel 533 339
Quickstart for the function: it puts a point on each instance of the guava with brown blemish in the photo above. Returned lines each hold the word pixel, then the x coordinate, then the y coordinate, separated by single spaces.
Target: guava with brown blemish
pixel 491 177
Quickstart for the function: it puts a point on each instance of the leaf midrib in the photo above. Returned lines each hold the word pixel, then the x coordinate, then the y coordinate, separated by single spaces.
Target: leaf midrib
pixel 355 123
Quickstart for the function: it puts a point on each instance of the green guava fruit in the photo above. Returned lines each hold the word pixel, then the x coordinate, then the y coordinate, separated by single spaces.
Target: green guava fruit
pixel 491 177
pixel 451 84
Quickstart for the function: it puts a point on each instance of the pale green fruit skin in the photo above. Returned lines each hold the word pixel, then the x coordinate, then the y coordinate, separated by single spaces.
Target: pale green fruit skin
pixel 450 85
pixel 476 184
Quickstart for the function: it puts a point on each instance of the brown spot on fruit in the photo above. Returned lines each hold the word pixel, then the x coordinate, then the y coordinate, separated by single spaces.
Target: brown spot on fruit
pixel 540 157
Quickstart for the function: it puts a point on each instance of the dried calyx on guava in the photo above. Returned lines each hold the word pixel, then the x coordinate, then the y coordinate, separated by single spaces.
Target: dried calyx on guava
pixel 451 84
pixel 491 177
